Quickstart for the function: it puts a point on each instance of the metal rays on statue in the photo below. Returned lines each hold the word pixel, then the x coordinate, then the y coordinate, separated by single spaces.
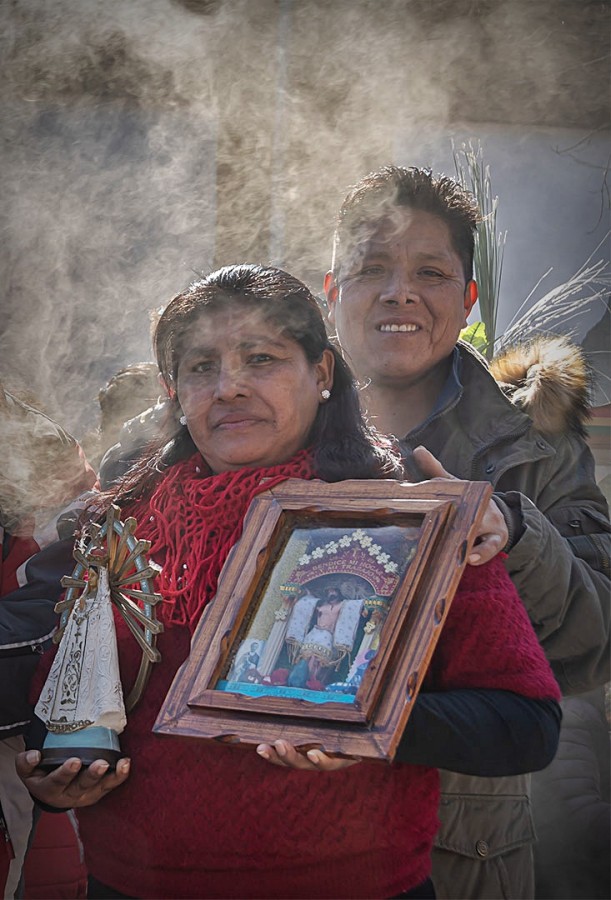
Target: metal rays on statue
pixel 115 542
pixel 82 700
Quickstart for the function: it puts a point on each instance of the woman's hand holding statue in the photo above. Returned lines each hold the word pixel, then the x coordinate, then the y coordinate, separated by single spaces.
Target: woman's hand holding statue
pixel 71 784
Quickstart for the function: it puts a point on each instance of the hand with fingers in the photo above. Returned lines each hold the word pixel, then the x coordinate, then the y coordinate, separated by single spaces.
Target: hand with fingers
pixel 71 784
pixel 281 753
pixel 492 535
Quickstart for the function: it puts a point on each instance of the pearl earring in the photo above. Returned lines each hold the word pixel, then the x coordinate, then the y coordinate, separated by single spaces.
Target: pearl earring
pixel 325 394
pixel 183 420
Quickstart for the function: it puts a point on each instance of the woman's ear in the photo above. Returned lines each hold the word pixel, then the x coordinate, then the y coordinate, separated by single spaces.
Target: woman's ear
pixel 324 371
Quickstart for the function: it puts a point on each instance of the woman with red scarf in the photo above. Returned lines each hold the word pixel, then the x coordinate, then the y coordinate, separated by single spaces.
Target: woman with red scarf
pixel 259 395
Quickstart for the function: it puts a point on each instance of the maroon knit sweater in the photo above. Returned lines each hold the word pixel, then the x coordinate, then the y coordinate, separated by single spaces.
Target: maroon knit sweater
pixel 198 819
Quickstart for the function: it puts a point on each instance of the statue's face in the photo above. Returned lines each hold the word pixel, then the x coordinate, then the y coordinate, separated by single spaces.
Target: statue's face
pixel 92 579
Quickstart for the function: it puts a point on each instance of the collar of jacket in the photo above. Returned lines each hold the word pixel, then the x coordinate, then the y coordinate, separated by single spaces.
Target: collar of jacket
pixel 473 419
pixel 493 416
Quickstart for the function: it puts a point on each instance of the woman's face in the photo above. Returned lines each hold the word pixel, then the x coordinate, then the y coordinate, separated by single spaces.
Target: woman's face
pixel 249 394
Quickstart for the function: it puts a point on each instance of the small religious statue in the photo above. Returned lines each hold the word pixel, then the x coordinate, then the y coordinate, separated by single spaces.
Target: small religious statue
pixel 321 631
pixel 82 703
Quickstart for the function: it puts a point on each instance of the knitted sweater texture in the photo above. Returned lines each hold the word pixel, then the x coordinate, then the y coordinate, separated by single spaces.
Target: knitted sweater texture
pixel 207 820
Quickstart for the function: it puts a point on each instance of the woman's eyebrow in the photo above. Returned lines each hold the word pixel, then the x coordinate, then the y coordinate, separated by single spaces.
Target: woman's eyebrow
pixel 256 340
pixel 246 344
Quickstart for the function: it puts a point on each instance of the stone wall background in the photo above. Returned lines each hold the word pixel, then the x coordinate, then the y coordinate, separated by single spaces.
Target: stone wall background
pixel 145 141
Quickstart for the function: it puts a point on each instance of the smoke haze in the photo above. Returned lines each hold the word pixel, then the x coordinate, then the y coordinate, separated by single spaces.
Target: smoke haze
pixel 146 141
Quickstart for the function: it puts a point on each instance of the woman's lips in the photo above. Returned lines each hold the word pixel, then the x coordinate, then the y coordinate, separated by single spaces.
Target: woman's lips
pixel 231 423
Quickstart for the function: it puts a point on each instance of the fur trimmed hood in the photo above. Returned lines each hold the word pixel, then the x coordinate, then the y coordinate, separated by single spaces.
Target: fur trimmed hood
pixel 547 378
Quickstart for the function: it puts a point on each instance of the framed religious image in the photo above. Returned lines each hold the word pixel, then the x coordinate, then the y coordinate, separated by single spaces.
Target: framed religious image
pixel 326 615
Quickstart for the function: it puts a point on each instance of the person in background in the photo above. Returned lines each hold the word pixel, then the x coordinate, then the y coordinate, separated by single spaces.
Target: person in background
pixel 399 292
pixel 130 392
pixel 259 395
pixel 135 434
pixel 43 469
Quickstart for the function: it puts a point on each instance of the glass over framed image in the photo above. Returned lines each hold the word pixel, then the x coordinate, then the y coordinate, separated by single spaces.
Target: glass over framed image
pixel 326 615
pixel 316 624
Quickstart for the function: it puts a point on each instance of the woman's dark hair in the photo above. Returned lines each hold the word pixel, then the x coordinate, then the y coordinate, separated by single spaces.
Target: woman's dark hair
pixel 342 444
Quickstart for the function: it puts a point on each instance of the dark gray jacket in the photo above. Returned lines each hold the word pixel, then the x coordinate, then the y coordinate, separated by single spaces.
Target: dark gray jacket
pixel 559 561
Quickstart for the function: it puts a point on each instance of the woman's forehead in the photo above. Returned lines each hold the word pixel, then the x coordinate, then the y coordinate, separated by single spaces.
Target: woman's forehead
pixel 232 328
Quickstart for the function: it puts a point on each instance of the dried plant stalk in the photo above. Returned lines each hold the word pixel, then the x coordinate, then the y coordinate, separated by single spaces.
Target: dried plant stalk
pixel 489 244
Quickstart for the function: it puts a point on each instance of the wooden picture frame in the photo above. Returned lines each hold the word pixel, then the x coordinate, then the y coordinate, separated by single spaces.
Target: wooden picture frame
pixel 326 615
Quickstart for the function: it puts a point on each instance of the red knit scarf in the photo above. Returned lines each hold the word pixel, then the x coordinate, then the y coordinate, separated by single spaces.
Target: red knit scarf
pixel 193 519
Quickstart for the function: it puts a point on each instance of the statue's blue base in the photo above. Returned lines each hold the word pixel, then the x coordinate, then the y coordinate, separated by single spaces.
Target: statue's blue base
pixel 88 744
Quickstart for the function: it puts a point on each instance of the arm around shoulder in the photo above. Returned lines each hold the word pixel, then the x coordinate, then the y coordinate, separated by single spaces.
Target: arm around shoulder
pixel 487 733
